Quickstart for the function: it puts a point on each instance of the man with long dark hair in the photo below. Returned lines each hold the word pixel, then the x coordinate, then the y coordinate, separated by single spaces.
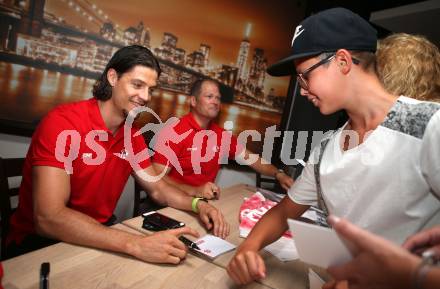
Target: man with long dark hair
pixel 78 165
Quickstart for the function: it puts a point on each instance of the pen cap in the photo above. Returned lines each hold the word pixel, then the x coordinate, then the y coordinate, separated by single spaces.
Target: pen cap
pixel 45 269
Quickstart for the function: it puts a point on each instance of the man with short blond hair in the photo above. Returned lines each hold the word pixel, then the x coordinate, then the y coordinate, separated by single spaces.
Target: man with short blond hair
pixel 206 145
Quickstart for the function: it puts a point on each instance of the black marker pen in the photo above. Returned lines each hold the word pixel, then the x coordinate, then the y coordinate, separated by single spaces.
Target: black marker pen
pixel 189 243
pixel 44 275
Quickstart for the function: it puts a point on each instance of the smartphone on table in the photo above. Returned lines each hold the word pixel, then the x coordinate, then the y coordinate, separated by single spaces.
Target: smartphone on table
pixel 155 221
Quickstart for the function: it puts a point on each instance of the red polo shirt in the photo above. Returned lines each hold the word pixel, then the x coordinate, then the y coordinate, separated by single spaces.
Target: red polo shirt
pixel 94 188
pixel 197 151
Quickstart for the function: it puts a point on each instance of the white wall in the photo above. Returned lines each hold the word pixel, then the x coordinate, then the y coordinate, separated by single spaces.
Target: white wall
pixel 17 146
pixel 12 146
pixel 229 177
pixel 225 178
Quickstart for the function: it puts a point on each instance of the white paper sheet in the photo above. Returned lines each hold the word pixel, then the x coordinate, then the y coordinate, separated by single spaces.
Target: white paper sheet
pixel 318 245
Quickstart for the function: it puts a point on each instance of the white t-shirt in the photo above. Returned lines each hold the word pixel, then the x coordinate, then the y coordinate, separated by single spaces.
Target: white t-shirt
pixel 390 183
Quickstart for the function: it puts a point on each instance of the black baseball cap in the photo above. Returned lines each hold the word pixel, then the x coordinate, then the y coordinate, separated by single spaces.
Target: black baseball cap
pixel 327 31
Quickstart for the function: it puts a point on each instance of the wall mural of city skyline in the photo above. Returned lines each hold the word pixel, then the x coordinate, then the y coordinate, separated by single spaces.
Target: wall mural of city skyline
pixel 51 51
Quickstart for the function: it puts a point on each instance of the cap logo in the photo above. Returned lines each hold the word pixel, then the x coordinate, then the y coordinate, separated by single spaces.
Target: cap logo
pixel 298 31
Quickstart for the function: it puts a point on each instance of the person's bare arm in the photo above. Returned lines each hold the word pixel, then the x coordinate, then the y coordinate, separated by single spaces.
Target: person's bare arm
pixel 51 192
pixel 247 265
pixel 166 194
pixel 268 169
pixel 208 190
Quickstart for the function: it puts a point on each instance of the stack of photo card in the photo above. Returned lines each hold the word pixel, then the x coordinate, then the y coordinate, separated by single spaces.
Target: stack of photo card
pixel 212 247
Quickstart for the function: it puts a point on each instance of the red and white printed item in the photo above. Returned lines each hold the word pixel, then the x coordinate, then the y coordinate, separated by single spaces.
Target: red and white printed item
pixel 252 210
pixel 212 246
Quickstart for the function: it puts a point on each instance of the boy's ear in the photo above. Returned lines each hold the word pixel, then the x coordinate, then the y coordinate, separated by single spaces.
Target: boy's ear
pixel 343 60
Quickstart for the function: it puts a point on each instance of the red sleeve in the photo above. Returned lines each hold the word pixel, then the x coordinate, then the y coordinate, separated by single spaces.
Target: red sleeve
pixel 44 141
pixel 164 139
pixel 138 146
pixel 236 148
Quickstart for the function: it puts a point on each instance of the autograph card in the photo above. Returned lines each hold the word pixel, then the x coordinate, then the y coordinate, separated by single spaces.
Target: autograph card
pixel 212 246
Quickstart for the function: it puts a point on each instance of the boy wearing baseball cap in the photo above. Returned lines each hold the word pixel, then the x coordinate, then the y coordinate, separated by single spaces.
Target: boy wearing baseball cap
pixel 381 170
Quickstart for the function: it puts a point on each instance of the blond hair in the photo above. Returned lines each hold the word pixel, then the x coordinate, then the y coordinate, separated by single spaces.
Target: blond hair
pixel 409 65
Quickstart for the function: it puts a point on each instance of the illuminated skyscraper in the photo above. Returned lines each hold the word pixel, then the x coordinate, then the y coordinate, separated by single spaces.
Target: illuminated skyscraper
pixel 141 35
pixel 262 74
pixel 179 56
pixel 108 31
pixel 137 35
pixel 204 49
pixel 145 37
pixel 195 60
pixel 130 36
pixel 256 65
pixel 169 41
pixel 257 71
pixel 228 75
pixel 167 47
pixel 243 53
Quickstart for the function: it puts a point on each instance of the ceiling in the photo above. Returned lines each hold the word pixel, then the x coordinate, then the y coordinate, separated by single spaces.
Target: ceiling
pixel 410 16
pixel 417 18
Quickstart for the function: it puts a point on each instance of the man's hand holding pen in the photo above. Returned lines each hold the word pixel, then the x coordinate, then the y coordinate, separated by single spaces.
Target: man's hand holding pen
pixel 161 247
pixel 209 190
pixel 190 244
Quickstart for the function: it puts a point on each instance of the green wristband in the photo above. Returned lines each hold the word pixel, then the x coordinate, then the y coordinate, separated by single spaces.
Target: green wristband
pixel 194 203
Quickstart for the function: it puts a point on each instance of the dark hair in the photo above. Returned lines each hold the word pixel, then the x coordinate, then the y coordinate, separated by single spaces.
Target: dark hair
pixel 197 85
pixel 367 59
pixel 122 61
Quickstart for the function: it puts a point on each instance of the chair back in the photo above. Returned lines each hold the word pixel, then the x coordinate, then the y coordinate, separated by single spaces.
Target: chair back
pixel 11 167
pixel 143 202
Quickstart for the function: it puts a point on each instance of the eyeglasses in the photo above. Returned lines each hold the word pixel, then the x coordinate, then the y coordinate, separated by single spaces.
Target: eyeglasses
pixel 302 77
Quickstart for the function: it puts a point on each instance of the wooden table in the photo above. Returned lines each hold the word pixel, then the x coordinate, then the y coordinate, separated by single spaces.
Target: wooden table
pixel 281 275
pixel 79 267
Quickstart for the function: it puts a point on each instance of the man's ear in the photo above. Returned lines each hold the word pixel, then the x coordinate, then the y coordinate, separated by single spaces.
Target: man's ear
pixel 112 76
pixel 192 101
